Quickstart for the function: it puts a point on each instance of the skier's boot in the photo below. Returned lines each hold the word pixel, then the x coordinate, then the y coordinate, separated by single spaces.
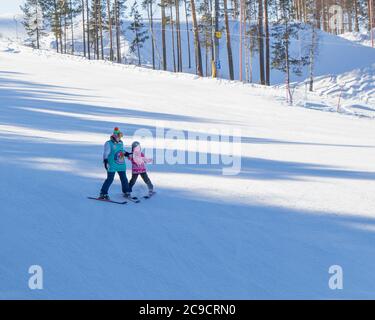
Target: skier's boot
pixel 103 196
pixel 127 195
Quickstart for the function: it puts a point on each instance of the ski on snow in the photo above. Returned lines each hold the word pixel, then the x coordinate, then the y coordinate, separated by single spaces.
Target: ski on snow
pixel 149 195
pixel 111 201
pixel 133 199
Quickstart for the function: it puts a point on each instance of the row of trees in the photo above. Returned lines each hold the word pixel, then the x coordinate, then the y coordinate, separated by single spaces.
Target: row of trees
pixel 97 16
pixel 203 22
pixel 352 13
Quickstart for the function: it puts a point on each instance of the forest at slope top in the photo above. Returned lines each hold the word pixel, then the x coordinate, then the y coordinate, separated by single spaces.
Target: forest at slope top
pixel 335 54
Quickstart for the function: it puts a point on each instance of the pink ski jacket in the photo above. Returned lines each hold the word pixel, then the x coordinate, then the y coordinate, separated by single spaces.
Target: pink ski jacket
pixel 138 161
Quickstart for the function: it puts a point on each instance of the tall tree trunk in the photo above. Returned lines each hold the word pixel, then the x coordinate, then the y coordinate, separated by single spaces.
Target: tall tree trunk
pixel 246 44
pixel 88 28
pixel 60 26
pixel 251 66
pixel 320 17
pixel 356 22
pixel 65 32
pixel 325 16
pixel 72 24
pixel 287 65
pixel 212 26
pixel 138 51
pixel 350 23
pixel 100 12
pixel 173 47
pixel 312 57
pixel 37 28
pixel 83 28
pixel 241 38
pixel 235 8
pixel 197 44
pixel 97 28
pixel 229 45
pixel 110 30
pixel 371 9
pixel 187 33
pixel 61 31
pixel 206 54
pixel 178 30
pixel 267 42
pixel 56 25
pixel 151 22
pixel 163 40
pixel 117 23
pixel 261 42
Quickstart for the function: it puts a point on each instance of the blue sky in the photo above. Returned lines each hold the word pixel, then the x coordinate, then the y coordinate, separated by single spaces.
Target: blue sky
pixel 10 6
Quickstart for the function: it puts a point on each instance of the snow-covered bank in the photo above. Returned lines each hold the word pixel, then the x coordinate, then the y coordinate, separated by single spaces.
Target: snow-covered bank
pixel 302 202
pixel 353 91
pixel 363 38
pixel 354 85
pixel 343 66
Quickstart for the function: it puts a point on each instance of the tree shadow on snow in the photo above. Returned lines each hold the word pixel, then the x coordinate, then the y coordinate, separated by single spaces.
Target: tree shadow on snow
pixel 180 244
pixel 15 100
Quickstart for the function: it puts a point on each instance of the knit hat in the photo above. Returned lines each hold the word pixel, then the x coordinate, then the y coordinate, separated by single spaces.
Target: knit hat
pixel 116 131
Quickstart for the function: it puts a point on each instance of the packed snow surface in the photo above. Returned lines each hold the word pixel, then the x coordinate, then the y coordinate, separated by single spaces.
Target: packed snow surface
pixel 302 202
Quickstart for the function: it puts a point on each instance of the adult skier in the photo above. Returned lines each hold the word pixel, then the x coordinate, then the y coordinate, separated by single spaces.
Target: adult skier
pixel 114 161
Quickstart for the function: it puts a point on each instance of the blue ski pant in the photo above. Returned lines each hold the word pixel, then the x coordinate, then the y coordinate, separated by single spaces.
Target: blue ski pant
pixel 110 177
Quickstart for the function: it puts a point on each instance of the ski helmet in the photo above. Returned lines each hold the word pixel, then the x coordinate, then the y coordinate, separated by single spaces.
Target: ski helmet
pixel 135 144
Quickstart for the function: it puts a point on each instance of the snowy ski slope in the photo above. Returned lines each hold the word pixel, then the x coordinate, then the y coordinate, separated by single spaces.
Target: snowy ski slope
pixel 303 201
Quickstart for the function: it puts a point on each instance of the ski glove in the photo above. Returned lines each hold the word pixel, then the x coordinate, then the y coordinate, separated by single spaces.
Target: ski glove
pixel 105 161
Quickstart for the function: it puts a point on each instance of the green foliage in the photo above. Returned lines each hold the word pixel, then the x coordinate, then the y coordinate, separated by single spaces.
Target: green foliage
pixel 138 28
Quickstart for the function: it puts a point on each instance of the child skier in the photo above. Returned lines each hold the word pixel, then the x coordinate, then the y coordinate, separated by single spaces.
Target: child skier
pixel 114 161
pixel 138 161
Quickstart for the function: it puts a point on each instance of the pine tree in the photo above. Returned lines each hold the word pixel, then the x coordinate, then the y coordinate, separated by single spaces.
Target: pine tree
pixel 88 28
pixel 148 6
pixel 64 13
pixel 50 11
pixel 187 9
pixel 101 16
pixel 197 45
pixel 93 29
pixel 110 30
pixel 33 21
pixel 313 42
pixel 206 28
pixel 251 42
pixel 119 8
pixel 137 27
pixel 74 8
pixel 171 21
pixel 178 31
pixel 82 9
pixel 283 32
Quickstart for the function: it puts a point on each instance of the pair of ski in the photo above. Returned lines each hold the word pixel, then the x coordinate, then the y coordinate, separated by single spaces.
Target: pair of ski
pixel 131 199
